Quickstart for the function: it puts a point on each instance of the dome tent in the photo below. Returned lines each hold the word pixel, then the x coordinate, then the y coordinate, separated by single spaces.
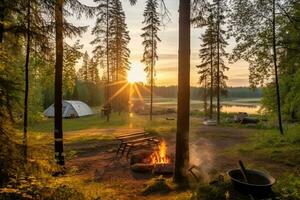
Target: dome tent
pixel 70 109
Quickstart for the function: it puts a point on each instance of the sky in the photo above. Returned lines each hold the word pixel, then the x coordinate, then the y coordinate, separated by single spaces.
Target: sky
pixel 167 64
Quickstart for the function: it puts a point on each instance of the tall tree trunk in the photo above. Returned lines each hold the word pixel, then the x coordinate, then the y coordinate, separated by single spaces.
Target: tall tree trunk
pixel 205 97
pixel 118 63
pixel 58 132
pixel 107 63
pixel 151 72
pixel 25 117
pixel 1 23
pixel 182 135
pixel 276 67
pixel 211 83
pixel 218 62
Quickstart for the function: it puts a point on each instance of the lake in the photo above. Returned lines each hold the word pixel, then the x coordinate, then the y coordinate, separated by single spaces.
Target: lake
pixel 249 105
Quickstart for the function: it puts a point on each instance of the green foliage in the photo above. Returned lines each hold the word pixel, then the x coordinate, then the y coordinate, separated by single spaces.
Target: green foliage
pixel 288 187
pixel 88 92
pixel 71 57
pixel 269 144
pixel 289 70
pixel 10 156
pixel 157 185
pixel 220 191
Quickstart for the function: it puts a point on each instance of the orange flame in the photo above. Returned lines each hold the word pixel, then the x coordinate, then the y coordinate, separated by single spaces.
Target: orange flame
pixel 160 156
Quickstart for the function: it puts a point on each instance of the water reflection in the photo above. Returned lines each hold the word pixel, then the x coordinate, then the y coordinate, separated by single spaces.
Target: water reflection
pixel 241 108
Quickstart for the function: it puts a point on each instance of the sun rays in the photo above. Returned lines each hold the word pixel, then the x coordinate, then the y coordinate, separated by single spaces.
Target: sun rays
pixel 133 82
pixel 136 74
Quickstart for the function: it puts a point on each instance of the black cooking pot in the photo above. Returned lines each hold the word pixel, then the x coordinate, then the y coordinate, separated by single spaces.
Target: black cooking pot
pixel 259 183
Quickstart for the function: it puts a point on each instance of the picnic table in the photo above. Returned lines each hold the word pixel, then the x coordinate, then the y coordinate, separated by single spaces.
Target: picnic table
pixel 136 140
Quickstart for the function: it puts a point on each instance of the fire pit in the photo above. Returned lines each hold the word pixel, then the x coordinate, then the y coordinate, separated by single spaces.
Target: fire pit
pixel 157 161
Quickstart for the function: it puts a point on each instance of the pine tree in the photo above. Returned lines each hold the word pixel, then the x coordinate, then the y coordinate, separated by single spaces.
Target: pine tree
pixel 183 122
pixel 83 71
pixel 152 22
pixel 58 130
pixel 78 8
pixel 93 72
pixel 28 42
pixel 102 41
pixel 121 54
pixel 207 54
pixel 111 40
pixel 212 52
pixel 220 8
pixel 71 56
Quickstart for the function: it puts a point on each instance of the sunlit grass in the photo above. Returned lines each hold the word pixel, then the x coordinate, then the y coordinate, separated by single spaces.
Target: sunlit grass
pixel 269 144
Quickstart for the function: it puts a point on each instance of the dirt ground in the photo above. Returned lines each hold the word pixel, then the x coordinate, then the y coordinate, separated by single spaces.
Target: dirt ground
pixel 96 162
pixel 95 159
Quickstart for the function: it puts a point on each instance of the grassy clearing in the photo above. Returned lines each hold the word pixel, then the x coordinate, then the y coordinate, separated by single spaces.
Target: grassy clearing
pixel 269 144
pixel 124 120
pixel 94 134
pixel 267 150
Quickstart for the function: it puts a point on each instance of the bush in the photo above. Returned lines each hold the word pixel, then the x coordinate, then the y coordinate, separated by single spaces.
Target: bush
pixel 10 156
pixel 218 191
pixel 157 186
pixel 288 187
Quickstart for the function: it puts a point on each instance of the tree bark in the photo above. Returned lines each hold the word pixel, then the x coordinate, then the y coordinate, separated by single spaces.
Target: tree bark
pixel 276 67
pixel 58 131
pixel 205 97
pixel 182 135
pixel 211 82
pixel 25 117
pixel 107 63
pixel 151 73
pixel 1 23
pixel 218 62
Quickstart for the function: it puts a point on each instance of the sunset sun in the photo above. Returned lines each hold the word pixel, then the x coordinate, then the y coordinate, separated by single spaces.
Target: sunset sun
pixel 136 73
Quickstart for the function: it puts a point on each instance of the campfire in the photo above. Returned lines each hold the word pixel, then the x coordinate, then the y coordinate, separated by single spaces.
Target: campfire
pixel 159 156
pixel 156 161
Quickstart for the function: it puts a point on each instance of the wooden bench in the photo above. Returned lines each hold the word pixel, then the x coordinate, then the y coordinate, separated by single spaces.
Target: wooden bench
pixel 151 143
pixel 136 134
pixel 125 138
pixel 124 144
pixel 133 140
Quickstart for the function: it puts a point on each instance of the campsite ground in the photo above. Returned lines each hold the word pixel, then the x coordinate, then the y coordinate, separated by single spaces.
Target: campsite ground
pixel 94 171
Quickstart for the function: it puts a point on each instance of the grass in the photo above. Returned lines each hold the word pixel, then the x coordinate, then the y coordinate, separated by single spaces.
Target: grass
pixel 124 120
pixel 93 121
pixel 265 143
pixel 271 145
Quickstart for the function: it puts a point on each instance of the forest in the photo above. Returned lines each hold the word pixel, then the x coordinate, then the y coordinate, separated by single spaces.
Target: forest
pixel 80 120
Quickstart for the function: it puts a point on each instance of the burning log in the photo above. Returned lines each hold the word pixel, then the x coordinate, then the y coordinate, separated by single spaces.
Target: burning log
pixel 157 161
pixel 141 167
pixel 163 169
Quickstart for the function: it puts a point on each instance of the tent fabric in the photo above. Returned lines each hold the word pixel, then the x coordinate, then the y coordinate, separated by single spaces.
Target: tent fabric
pixel 70 109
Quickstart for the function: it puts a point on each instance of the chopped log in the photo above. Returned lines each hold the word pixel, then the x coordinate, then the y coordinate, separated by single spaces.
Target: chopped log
pixel 139 157
pixel 163 169
pixel 141 167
